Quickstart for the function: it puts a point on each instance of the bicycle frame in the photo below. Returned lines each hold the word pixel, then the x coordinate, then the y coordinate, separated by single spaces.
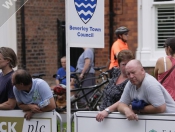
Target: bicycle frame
pixel 93 88
pixel 96 92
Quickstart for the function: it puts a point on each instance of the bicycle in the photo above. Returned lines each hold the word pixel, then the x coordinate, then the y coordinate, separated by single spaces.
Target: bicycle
pixel 96 92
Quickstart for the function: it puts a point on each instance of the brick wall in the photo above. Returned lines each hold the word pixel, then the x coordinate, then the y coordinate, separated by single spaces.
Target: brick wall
pixel 41 33
pixel 125 14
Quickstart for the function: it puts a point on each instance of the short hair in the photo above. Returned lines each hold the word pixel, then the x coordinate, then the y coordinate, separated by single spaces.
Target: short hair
pixel 63 57
pixel 9 54
pixel 171 43
pixel 125 55
pixel 22 76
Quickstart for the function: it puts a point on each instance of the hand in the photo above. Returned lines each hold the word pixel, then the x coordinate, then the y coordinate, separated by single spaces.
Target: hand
pixel 101 115
pixel 28 115
pixel 81 76
pixel 130 115
pixel 72 81
pixel 34 108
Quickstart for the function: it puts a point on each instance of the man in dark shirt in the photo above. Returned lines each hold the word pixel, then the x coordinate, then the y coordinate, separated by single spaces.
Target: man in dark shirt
pixel 8 60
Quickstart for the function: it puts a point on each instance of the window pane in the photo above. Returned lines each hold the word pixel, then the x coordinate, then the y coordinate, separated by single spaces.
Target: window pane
pixel 165 24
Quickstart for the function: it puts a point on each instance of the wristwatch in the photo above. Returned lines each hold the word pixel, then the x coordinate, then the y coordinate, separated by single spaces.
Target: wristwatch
pixel 107 110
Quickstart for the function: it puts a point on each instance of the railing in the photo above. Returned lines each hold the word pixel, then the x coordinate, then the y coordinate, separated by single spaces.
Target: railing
pixel 14 121
pixel 85 122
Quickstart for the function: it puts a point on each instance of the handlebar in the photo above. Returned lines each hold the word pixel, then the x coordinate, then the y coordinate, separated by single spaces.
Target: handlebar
pixel 75 73
pixel 38 75
pixel 99 68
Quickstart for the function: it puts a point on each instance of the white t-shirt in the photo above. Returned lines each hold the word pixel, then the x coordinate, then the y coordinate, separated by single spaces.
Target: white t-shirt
pixel 151 91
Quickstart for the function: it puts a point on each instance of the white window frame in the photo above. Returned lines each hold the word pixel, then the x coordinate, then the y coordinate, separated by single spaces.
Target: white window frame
pixel 147 52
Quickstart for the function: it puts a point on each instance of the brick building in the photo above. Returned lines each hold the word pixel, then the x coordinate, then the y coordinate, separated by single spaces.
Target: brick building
pixel 44 36
pixel 40 30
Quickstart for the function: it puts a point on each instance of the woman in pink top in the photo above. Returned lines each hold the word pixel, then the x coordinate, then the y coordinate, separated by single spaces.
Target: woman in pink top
pixel 164 64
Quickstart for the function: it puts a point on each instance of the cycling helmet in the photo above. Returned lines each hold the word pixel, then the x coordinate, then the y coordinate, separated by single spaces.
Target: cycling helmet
pixel 121 30
pixel 60 89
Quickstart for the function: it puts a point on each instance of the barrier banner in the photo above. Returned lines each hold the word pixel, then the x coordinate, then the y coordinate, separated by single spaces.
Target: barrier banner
pixel 14 121
pixel 85 122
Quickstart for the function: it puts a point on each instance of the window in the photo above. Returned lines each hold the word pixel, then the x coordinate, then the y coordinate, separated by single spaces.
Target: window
pixel 165 24
pixel 156 23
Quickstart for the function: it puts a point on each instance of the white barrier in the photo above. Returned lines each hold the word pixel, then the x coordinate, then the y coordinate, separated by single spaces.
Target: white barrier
pixel 14 121
pixel 85 122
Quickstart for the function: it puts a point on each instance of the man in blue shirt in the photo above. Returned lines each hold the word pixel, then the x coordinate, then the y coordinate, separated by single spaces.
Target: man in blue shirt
pixel 32 95
pixel 61 73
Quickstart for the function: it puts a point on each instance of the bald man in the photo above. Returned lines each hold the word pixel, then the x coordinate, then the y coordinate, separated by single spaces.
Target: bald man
pixel 142 94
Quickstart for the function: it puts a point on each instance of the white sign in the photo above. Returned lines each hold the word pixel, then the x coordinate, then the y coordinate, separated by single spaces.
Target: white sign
pixel 14 121
pixel 85 23
pixel 117 122
pixel 160 126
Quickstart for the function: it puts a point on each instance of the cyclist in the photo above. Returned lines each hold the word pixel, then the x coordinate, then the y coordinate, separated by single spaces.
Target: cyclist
pixel 119 44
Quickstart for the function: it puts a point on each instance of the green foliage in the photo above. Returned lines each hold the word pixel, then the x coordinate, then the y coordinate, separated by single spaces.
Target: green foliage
pixel 65 127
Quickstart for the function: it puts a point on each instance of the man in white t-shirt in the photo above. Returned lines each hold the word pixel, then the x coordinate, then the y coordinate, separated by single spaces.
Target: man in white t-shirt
pixel 142 94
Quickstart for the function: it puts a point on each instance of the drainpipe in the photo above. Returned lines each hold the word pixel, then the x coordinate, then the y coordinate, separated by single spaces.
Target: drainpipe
pixel 111 22
pixel 23 49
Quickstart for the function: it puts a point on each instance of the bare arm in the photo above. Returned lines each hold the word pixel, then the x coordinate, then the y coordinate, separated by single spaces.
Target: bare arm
pixel 156 73
pixel 116 55
pixel 49 107
pixel 8 105
pixel 156 69
pixel 114 107
pixel 29 107
pixel 57 81
pixel 101 115
pixel 86 67
pixel 149 109
pixel 29 110
pixel 35 108
pixel 127 111
pixel 160 66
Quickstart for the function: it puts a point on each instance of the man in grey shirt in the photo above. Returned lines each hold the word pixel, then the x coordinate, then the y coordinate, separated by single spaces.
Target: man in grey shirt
pixel 142 94
pixel 85 66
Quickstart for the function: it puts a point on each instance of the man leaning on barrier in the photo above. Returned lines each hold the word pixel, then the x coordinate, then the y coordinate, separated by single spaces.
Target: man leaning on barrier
pixel 32 95
pixel 142 94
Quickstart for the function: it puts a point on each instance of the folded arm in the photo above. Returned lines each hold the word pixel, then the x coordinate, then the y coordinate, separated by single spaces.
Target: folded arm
pixel 29 107
pixel 35 108
pixel 127 111
pixel 51 106
pixel 8 105
pixel 149 109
